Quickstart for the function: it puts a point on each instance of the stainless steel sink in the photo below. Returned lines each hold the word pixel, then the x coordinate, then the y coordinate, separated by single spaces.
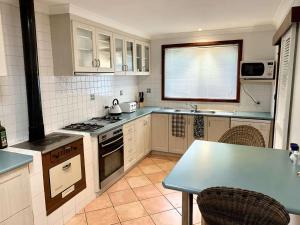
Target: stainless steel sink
pixel 203 111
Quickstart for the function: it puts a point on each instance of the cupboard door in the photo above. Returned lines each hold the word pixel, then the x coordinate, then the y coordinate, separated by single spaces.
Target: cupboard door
pixel 84 48
pixel 129 145
pixel 146 66
pixel 129 49
pixel 147 128
pixel 217 126
pixel 14 192
pixel 140 137
pixel 139 57
pixel 177 145
pixel 119 56
pixel 24 217
pixel 160 132
pixel 104 51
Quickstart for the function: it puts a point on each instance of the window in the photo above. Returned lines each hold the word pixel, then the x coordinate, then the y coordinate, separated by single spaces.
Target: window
pixel 202 71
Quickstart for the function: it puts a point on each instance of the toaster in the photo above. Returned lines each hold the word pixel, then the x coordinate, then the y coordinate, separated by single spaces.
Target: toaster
pixel 128 107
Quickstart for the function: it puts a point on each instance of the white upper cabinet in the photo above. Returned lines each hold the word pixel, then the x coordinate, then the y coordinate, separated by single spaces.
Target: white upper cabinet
pixel 91 48
pixel 84 48
pixel 142 58
pixel 124 56
pixel 104 43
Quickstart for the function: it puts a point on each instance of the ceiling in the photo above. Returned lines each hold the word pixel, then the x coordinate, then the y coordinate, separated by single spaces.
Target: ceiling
pixel 156 17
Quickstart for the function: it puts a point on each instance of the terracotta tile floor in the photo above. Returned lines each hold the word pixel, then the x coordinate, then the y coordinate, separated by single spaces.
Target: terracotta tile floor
pixel 138 199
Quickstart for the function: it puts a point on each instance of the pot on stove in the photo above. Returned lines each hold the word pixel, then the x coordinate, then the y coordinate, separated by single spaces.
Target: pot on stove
pixel 115 109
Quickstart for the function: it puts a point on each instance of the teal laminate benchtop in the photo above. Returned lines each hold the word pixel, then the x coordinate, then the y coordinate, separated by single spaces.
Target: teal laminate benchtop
pixel 210 164
pixel 127 117
pixel 10 161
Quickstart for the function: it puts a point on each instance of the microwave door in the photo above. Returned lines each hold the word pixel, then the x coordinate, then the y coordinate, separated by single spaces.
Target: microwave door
pixel 253 69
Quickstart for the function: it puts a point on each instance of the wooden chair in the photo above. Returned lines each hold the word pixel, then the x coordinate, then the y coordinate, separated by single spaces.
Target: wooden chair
pixel 243 135
pixel 230 206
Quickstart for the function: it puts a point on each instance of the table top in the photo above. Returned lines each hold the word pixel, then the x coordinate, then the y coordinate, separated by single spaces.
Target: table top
pixel 211 164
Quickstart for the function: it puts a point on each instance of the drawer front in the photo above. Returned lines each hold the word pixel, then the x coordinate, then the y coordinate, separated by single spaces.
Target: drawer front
pixel 65 175
pixel 24 217
pixel 14 192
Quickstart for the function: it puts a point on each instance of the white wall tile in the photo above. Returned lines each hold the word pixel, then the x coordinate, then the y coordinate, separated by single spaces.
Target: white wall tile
pixel 65 99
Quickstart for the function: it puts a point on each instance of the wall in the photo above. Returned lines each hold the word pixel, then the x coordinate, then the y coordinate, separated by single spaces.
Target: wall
pixel 65 99
pixel 257 45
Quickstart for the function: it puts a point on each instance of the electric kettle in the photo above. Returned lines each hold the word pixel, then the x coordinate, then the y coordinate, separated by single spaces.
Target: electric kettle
pixel 115 109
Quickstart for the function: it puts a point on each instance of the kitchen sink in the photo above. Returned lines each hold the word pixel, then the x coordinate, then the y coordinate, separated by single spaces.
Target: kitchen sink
pixel 202 111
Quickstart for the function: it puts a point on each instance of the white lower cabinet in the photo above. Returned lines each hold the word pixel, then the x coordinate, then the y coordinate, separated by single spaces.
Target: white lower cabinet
pixel 160 132
pixel 264 126
pixel 137 137
pixel 178 145
pixel 216 127
pixel 15 195
pixel 24 217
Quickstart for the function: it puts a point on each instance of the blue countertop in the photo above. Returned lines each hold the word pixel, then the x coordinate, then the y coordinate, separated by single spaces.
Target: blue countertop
pixel 127 117
pixel 10 161
pixel 211 164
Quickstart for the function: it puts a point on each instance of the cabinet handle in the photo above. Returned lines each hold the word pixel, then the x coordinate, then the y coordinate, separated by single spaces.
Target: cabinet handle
pixel 93 62
pixel 66 167
pixel 99 63
pixel 123 68
pixel 126 67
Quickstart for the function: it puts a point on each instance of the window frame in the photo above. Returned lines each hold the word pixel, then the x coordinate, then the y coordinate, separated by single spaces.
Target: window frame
pixel 239 43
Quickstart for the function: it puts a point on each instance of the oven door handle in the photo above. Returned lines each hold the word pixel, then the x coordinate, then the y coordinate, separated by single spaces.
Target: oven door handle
pixel 112 142
pixel 107 154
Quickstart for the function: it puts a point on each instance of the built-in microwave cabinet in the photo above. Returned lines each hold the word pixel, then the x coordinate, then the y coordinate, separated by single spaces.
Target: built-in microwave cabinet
pixel 142 58
pixel 124 55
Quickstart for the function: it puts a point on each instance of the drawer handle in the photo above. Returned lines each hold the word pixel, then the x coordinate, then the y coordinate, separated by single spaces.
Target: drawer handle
pixel 66 167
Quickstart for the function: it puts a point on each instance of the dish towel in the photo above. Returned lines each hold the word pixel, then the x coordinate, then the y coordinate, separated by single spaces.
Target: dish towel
pixel 198 126
pixel 178 125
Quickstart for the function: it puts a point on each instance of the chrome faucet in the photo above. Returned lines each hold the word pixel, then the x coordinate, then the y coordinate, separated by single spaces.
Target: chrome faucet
pixel 195 107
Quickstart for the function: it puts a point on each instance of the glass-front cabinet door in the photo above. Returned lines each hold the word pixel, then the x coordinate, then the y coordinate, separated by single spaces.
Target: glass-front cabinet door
pixel 104 52
pixel 139 58
pixel 84 48
pixel 119 56
pixel 146 52
pixel 142 58
pixel 124 56
pixel 129 66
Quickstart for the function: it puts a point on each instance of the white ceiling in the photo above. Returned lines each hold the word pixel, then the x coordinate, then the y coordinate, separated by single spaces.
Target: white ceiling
pixel 156 17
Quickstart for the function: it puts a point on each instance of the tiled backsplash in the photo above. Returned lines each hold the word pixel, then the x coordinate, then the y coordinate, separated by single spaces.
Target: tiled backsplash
pixel 65 99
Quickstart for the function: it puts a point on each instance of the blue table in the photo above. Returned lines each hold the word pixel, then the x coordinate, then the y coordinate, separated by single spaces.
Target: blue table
pixel 210 164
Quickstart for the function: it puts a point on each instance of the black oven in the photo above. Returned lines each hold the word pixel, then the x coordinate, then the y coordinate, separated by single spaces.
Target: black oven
pixel 111 156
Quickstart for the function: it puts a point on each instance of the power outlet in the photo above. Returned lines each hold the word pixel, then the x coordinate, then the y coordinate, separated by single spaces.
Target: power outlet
pixel 121 92
pixel 92 97
pixel 148 90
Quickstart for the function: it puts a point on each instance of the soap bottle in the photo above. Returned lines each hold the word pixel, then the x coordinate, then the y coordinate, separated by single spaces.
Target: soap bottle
pixel 3 138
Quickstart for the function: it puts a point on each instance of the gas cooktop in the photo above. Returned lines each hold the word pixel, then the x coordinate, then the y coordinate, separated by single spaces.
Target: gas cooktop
pixel 93 124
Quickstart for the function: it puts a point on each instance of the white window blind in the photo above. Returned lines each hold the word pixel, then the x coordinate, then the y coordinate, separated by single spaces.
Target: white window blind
pixel 201 72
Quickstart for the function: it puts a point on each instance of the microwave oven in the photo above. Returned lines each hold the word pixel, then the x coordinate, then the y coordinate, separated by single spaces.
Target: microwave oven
pixel 264 70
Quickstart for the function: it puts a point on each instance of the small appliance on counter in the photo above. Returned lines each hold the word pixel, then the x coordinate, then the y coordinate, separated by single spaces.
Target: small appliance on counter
pixel 115 109
pixel 3 137
pixel 141 99
pixel 128 107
